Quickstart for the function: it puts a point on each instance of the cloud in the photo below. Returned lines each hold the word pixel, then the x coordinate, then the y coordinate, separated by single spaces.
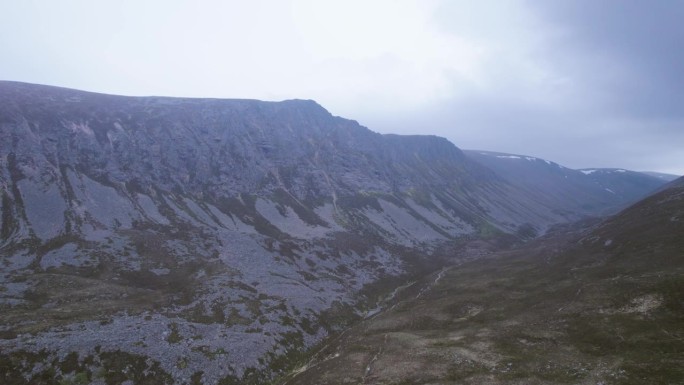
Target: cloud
pixel 584 83
pixel 627 50
pixel 576 81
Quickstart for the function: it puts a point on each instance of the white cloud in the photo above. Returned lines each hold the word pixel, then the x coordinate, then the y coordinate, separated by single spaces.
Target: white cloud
pixel 498 74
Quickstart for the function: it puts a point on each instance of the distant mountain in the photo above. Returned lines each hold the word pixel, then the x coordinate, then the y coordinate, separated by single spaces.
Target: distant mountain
pixel 660 175
pixel 629 185
pixel 592 191
pixel 176 240
pixel 597 303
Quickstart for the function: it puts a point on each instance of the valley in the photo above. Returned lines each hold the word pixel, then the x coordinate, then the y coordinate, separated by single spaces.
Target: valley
pixel 585 304
pixel 212 241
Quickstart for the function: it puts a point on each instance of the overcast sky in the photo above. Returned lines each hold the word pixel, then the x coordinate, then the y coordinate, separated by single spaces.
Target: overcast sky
pixel 585 83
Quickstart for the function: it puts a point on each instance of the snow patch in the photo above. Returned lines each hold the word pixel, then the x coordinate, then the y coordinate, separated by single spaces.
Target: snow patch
pixel 587 172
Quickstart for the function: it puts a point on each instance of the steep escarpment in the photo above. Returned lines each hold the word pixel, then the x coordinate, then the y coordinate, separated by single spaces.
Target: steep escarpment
pixel 216 240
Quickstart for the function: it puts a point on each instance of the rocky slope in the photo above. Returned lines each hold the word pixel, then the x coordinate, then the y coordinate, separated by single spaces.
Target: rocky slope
pixel 167 240
pixel 598 303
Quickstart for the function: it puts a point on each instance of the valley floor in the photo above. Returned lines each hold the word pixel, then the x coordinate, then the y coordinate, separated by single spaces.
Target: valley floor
pixel 550 312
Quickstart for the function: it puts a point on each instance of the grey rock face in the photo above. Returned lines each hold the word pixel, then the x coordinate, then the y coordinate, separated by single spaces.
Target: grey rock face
pixel 215 239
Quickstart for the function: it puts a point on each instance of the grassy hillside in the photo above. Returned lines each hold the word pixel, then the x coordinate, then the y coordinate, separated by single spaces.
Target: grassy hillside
pixel 603 305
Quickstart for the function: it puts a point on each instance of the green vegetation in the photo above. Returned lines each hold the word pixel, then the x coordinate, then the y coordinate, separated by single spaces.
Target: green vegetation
pixel 174 336
pixel 112 367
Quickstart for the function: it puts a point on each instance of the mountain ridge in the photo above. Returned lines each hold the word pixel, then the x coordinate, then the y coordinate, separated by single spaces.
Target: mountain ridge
pixel 601 190
pixel 237 229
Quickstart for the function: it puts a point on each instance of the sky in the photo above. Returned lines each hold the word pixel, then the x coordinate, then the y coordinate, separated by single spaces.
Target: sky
pixel 584 83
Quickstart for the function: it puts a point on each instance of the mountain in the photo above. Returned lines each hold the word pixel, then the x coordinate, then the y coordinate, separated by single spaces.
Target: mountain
pixel 590 191
pixel 663 176
pixel 628 185
pixel 591 303
pixel 177 240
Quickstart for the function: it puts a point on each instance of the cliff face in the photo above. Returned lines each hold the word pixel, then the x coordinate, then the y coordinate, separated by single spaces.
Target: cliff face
pixel 56 141
pixel 212 148
pixel 221 233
